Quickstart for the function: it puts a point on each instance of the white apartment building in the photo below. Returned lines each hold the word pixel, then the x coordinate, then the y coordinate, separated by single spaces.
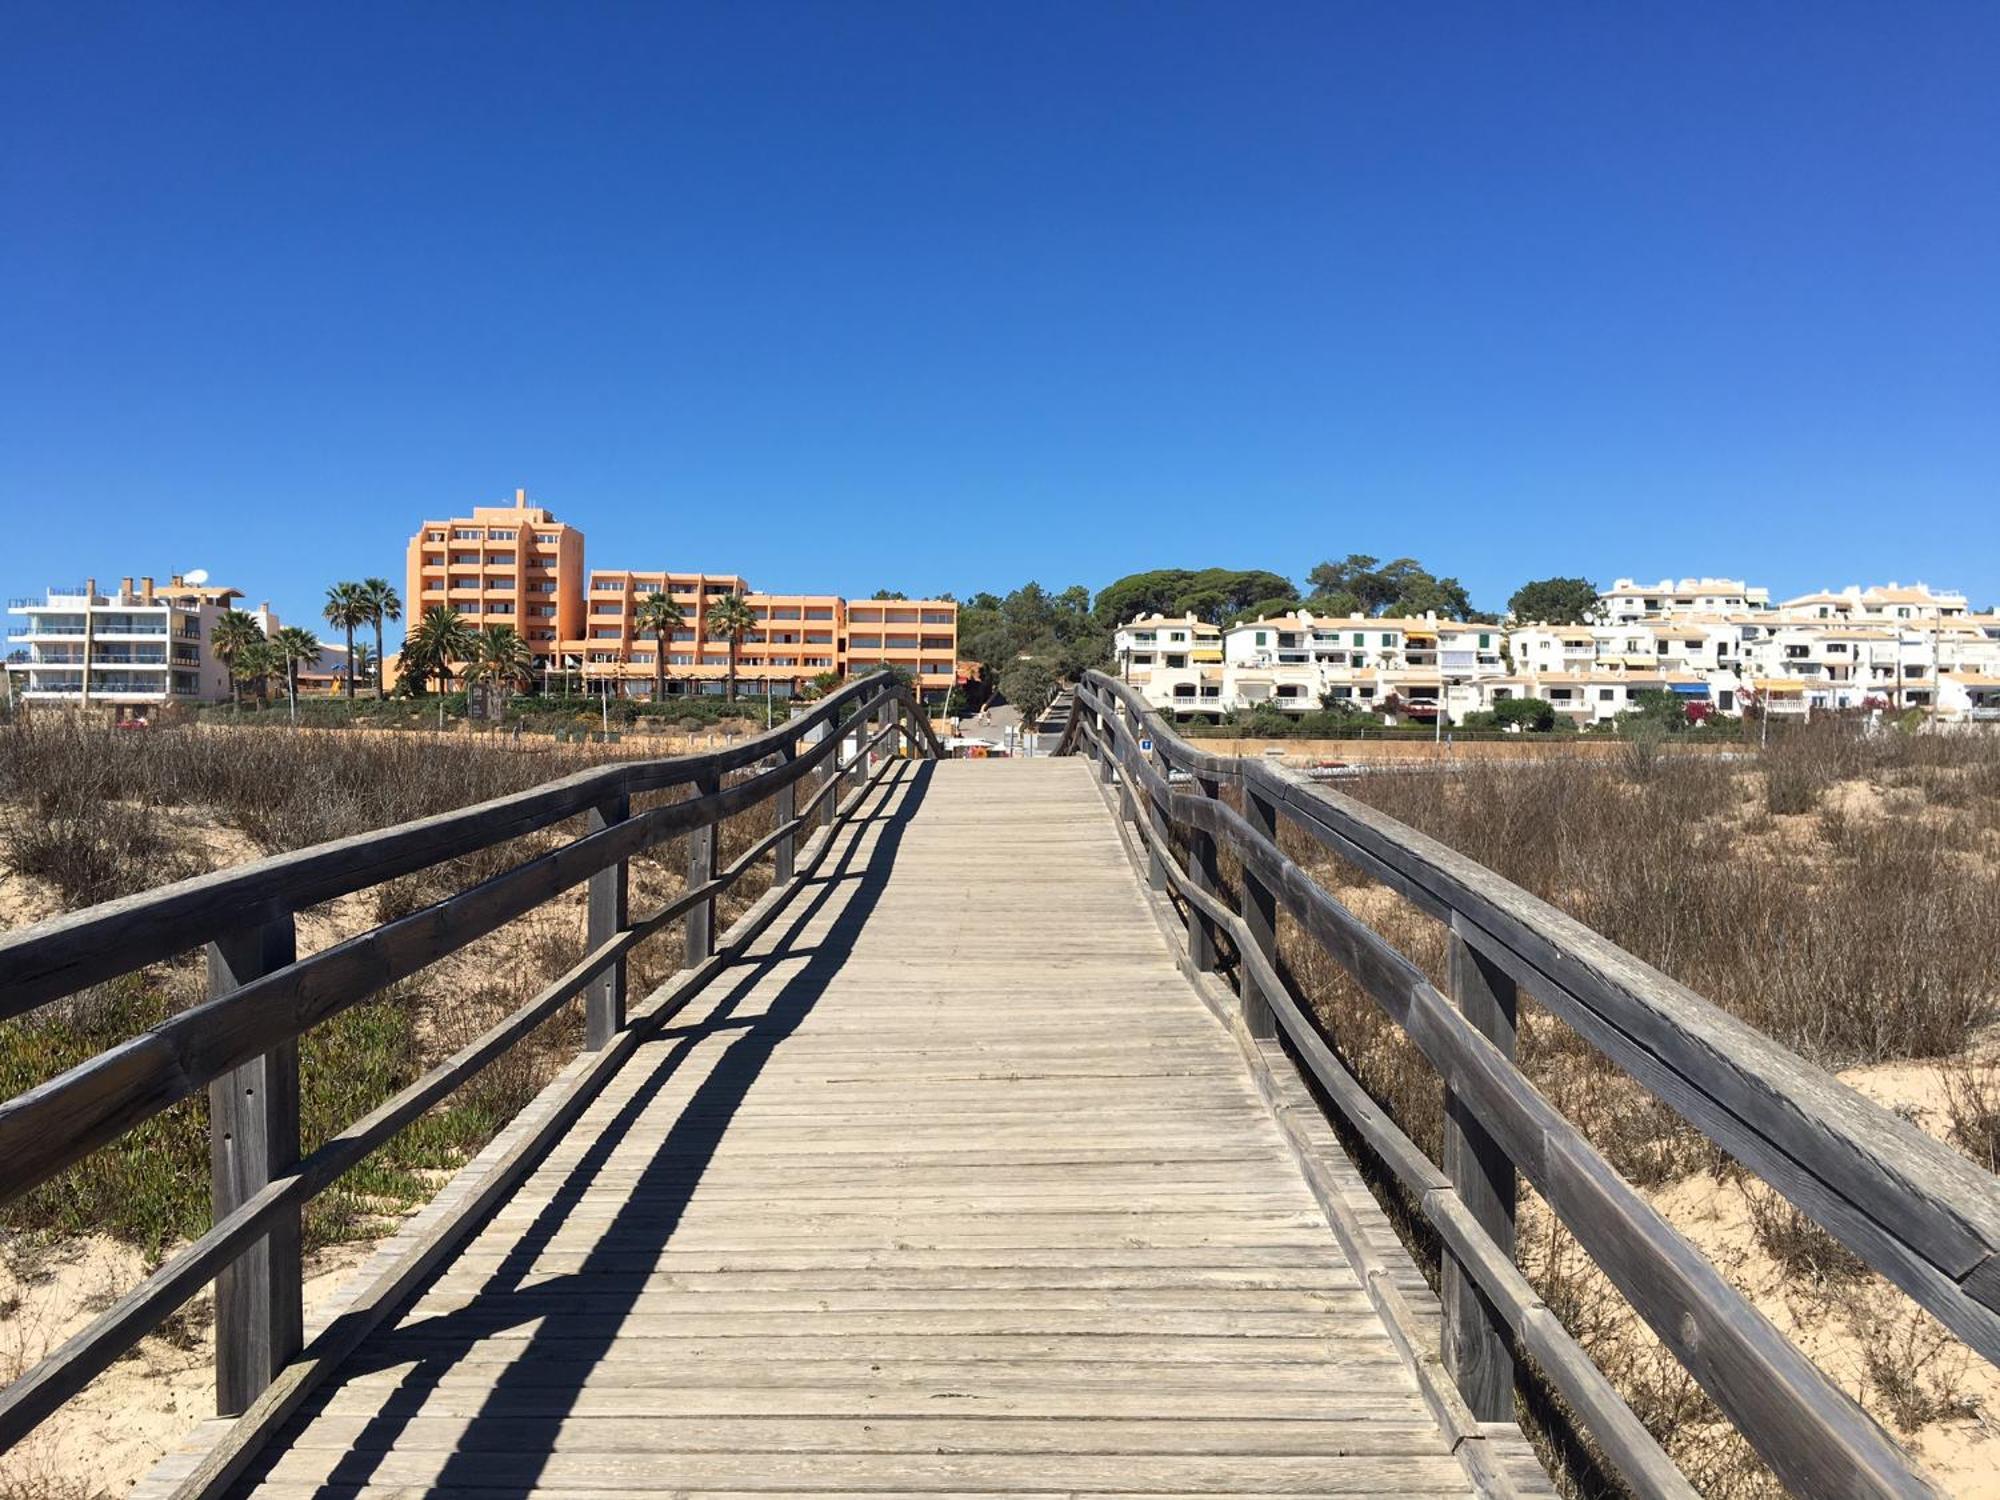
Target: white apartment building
pixel 1175 661
pixel 1299 662
pixel 1713 641
pixel 128 651
pixel 1892 601
pixel 1626 601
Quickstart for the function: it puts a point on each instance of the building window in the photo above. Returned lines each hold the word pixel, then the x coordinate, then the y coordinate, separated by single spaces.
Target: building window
pixel 462 534
pixel 1262 638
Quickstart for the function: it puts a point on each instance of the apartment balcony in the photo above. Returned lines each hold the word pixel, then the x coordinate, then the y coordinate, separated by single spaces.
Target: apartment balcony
pixel 131 632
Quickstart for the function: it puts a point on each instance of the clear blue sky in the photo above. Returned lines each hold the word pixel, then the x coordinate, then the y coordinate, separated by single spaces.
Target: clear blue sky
pixel 952 295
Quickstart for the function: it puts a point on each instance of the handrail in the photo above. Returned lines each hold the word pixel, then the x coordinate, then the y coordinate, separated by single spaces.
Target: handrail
pixel 1907 1205
pixel 241 1042
pixel 68 953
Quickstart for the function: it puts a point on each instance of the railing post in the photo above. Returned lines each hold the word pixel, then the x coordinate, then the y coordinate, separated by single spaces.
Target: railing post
pixel 703 866
pixel 253 1137
pixel 1107 760
pixel 1207 876
pixel 784 852
pixel 1260 915
pixel 1475 1344
pixel 604 1001
pixel 1156 847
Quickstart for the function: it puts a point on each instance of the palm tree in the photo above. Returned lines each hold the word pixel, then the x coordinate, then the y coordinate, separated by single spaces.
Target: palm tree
pixel 365 661
pixel 379 595
pixel 289 647
pixel 252 665
pixel 440 638
pixel 663 617
pixel 729 617
pixel 501 657
pixel 347 608
pixel 235 633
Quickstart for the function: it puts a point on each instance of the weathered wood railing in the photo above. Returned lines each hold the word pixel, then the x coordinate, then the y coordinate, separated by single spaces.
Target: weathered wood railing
pixel 1915 1211
pixel 241 1044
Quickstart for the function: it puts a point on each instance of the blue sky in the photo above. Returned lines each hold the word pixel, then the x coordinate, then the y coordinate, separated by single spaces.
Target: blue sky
pixel 953 295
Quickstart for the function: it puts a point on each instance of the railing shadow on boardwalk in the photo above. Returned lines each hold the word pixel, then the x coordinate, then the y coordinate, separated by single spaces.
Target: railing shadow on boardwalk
pixel 614 1272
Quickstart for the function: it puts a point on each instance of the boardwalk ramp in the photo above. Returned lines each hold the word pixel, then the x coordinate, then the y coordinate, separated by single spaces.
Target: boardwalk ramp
pixel 950 1185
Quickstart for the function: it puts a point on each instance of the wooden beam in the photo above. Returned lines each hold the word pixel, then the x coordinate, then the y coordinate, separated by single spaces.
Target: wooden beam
pixel 606 917
pixel 1475 1343
pixel 253 1135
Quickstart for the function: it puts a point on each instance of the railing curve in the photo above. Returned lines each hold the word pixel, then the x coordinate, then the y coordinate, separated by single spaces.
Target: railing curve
pixel 1908 1206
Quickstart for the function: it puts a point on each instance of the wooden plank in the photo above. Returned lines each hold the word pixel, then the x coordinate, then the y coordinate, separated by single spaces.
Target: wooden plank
pixel 1313 1474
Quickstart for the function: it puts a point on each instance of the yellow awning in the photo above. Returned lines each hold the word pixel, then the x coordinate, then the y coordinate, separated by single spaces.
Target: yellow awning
pixel 1206 654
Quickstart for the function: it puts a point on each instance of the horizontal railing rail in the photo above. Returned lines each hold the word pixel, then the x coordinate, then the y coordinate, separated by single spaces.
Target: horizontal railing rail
pixel 1919 1213
pixel 241 1043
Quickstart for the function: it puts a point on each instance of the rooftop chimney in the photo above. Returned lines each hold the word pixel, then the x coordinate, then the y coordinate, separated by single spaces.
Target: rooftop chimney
pixel 175 581
pixel 90 588
pixel 146 588
pixel 124 588
pixel 520 499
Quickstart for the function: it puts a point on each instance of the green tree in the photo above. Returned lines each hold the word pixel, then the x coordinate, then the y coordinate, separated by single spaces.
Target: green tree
pixel 501 657
pixel 440 639
pixel 1028 684
pixel 252 666
pixel 347 610
pixel 365 661
pixel 1554 601
pixel 888 594
pixel 1363 585
pixel 235 633
pixel 290 647
pixel 1656 710
pixel 663 617
pixel 1537 714
pixel 731 618
pixel 383 604
pixel 1210 594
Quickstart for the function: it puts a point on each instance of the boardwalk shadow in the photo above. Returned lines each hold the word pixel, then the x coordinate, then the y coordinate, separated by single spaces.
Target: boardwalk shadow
pixel 503 1450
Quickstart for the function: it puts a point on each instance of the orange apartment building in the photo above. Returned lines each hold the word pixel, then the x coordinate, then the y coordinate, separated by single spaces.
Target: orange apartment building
pixel 519 566
pixel 797 637
pixel 502 565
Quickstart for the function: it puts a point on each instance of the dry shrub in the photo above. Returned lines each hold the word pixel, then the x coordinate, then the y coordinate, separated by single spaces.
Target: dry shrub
pixel 286 790
pixel 1799 1246
pixel 92 850
pixel 1866 945
pixel 1972 1108
pixel 1916 1370
pixel 1856 936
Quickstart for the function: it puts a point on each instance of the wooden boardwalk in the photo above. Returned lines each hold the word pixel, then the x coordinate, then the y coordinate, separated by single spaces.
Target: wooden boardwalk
pixel 954 1185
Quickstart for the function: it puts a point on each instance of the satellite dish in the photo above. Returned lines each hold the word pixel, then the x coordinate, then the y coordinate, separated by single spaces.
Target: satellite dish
pixel 198 577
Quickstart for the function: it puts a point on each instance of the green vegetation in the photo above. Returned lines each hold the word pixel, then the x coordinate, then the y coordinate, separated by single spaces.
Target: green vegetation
pixel 379 598
pixel 731 618
pixel 440 638
pixel 660 615
pixel 347 609
pixel 1555 601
